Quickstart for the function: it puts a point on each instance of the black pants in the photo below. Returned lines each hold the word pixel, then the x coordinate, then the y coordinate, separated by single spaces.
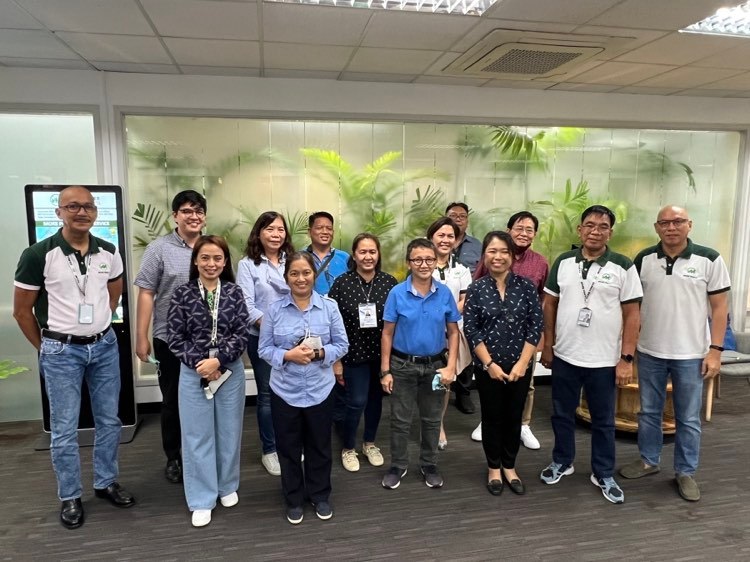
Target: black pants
pixel 502 407
pixel 169 382
pixel 305 430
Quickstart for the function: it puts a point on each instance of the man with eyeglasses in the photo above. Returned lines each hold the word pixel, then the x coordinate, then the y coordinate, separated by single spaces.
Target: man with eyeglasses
pixel 164 267
pixel 66 290
pixel 681 282
pixel 522 227
pixel 591 321
pixel 329 261
pixel 468 250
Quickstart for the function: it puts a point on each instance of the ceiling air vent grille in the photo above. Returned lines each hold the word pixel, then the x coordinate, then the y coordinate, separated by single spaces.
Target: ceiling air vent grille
pixel 527 61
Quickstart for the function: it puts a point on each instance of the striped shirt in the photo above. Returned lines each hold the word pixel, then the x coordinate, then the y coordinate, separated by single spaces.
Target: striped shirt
pixel 165 266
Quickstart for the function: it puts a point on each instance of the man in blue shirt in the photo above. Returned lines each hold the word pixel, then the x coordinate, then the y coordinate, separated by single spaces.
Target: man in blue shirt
pixel 329 261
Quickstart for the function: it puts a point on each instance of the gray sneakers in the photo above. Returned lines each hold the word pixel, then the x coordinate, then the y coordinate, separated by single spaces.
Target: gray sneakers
pixel 610 489
pixel 637 469
pixel 392 478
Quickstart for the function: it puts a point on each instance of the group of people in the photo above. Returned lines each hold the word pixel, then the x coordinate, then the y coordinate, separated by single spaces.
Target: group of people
pixel 329 333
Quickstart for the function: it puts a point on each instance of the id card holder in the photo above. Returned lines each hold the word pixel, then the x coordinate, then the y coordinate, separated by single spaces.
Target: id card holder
pixel 584 317
pixel 85 313
pixel 213 352
pixel 368 315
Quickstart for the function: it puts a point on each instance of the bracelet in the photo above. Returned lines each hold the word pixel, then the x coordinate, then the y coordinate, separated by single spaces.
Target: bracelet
pixel 716 347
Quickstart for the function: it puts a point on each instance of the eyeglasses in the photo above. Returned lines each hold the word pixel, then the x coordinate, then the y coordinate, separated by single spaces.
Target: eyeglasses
pixel 190 212
pixel 677 223
pixel 74 208
pixel 594 226
pixel 458 217
pixel 420 261
pixel 522 230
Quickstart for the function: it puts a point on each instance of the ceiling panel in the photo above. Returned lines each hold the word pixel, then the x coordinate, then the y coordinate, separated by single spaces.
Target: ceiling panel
pixel 376 77
pixel 647 91
pixel 13 17
pixel 204 19
pixel 572 86
pixel 485 26
pixel 291 23
pixel 561 11
pixel 687 77
pixel 136 67
pixel 313 57
pixel 736 57
pixel 658 14
pixel 738 82
pixel 93 16
pixel 621 73
pixel 76 64
pixel 392 61
pixel 409 30
pixel 214 52
pixel 679 49
pixel 451 81
pixel 286 73
pixel 707 93
pixel 32 44
pixel 219 70
pixel 116 48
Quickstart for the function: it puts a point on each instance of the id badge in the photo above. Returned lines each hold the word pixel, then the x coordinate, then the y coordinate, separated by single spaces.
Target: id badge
pixel 213 352
pixel 368 315
pixel 85 313
pixel 584 317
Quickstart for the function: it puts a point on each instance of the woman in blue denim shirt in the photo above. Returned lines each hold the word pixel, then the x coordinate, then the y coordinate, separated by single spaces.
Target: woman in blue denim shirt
pixel 207 331
pixel 301 337
pixel 261 275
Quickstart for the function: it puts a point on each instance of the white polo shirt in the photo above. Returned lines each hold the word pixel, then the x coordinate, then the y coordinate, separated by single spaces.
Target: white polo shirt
pixel 675 307
pixel 608 282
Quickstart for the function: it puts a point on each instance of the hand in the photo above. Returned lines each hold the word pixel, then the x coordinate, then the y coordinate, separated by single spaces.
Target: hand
pixel 387 383
pixel 206 367
pixel 213 376
pixel 518 371
pixel 301 354
pixel 711 364
pixel 446 376
pixel 623 373
pixel 546 359
pixel 143 349
pixel 496 372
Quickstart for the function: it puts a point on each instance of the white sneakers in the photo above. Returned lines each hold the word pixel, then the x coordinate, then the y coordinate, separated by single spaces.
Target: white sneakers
pixel 373 455
pixel 476 435
pixel 349 460
pixel 230 500
pixel 201 517
pixel 528 439
pixel 271 463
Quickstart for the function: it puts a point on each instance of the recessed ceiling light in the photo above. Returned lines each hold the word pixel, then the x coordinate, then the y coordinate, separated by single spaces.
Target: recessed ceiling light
pixel 456 7
pixel 732 21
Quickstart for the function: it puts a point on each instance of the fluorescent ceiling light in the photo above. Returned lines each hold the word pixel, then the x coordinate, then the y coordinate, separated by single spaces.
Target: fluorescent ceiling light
pixel 458 7
pixel 726 21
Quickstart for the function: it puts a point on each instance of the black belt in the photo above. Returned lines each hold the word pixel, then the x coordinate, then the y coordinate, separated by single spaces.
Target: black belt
pixel 69 338
pixel 421 359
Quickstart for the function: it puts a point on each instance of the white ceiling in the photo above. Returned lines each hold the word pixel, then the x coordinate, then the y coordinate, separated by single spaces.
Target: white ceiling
pixel 248 38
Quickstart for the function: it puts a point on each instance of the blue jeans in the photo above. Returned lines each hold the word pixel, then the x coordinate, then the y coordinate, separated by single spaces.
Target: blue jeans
pixel 412 386
pixel 687 395
pixel 262 375
pixel 211 436
pixel 599 386
pixel 64 368
pixel 361 393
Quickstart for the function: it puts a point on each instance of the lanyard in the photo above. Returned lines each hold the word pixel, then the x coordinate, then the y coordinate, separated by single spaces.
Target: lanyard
pixel 362 287
pixel 213 308
pixel 75 270
pixel 587 294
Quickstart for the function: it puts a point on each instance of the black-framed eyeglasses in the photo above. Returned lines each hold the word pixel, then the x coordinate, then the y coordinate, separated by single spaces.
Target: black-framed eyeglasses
pixel 74 208
pixel 420 261
pixel 677 223
pixel 187 212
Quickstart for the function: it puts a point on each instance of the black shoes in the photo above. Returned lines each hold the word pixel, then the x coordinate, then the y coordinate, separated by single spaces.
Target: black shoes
pixel 495 487
pixel 517 487
pixel 116 495
pixel 71 513
pixel 464 404
pixel 173 471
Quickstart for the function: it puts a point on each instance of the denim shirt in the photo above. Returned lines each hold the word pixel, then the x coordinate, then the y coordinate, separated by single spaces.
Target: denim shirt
pixel 262 284
pixel 284 324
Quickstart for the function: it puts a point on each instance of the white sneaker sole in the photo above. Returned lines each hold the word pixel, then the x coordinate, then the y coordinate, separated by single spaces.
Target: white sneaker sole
pixel 201 517
pixel 397 483
pixel 595 482
pixel 567 472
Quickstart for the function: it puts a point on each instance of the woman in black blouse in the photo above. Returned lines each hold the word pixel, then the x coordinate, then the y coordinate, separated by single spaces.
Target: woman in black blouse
pixel 361 293
pixel 503 324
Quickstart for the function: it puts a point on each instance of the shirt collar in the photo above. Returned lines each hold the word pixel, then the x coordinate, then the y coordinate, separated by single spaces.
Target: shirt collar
pixel 685 254
pixel 601 260
pixel 316 301
pixel 67 249
pixel 413 291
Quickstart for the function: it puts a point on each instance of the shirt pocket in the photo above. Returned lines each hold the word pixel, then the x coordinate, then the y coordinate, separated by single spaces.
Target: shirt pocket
pixel 286 337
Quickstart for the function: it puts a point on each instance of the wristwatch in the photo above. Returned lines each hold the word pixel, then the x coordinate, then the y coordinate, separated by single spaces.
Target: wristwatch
pixel 316 356
pixel 486 366
pixel 385 373
pixel 627 357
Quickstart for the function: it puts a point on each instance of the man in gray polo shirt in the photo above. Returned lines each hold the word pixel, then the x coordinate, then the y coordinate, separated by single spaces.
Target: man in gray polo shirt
pixel 164 267
pixel 66 289
pixel 681 282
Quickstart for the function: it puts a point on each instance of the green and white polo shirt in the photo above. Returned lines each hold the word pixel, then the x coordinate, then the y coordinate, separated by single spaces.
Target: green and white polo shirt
pixel 48 267
pixel 609 282
pixel 675 308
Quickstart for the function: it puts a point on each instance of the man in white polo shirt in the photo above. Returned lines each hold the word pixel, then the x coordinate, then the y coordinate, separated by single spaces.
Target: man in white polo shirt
pixel 591 321
pixel 681 282
pixel 66 290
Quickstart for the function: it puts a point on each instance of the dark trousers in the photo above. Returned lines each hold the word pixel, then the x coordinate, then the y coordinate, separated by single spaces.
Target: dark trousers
pixel 169 383
pixel 308 431
pixel 361 393
pixel 502 406
pixel 599 386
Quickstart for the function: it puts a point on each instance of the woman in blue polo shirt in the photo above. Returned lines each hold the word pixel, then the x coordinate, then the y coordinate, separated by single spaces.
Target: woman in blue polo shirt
pixel 301 337
pixel 418 312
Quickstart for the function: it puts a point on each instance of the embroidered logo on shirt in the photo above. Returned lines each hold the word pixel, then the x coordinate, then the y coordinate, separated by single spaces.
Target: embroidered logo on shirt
pixel 690 272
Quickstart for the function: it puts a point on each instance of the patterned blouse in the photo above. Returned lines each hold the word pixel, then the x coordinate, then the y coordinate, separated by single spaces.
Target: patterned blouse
pixel 189 324
pixel 504 325
pixel 349 291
